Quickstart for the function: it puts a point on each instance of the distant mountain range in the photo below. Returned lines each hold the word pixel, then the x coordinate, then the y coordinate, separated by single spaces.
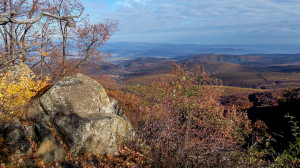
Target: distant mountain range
pixel 251 66
pixel 212 63
pixel 127 51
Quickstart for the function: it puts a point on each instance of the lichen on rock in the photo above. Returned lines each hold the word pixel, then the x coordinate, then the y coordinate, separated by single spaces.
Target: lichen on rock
pixel 79 111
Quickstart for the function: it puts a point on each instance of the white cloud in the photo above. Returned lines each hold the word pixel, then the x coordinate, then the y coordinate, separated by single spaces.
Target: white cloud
pixel 131 3
pixel 181 18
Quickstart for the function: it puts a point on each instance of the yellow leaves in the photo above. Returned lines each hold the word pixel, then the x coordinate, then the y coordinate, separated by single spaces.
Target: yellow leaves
pixel 25 45
pixel 44 54
pixel 16 92
pixel 47 79
pixel 179 87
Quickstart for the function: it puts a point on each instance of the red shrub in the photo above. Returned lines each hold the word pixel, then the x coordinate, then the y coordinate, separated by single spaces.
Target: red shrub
pixel 184 124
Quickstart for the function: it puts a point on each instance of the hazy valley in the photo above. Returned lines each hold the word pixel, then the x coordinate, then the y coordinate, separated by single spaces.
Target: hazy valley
pixel 233 64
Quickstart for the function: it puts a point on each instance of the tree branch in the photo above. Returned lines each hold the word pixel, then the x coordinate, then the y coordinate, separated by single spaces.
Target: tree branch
pixel 4 20
pixel 7 13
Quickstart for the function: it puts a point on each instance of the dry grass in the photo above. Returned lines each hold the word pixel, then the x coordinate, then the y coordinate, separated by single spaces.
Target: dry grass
pixel 233 90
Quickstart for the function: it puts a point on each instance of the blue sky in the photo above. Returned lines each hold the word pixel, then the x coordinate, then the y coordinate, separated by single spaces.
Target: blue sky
pixel 201 21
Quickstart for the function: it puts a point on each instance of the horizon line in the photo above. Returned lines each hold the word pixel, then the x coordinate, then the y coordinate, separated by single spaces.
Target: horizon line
pixel 197 43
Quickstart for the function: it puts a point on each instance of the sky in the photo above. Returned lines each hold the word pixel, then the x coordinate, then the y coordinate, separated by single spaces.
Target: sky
pixel 201 21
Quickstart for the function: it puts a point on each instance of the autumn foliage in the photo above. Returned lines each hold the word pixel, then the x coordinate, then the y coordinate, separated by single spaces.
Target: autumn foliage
pixel 179 122
pixel 16 90
pixel 179 119
pixel 182 123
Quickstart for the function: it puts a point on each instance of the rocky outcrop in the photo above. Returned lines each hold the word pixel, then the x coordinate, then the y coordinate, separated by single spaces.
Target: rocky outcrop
pixel 75 112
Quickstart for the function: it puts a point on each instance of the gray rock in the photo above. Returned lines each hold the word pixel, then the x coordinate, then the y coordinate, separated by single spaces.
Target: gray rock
pixel 79 112
pixel 50 151
pixel 79 95
pixel 49 147
pixel 15 138
pixel 84 116
pixel 21 70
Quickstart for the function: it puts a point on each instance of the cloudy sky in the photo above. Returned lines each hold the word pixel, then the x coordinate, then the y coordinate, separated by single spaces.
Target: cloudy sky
pixel 201 21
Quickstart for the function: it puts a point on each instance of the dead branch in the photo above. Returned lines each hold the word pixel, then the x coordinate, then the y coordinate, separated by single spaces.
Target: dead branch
pixel 6 17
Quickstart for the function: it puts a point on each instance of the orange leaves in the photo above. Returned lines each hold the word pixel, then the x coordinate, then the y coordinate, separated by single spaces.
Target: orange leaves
pixel 125 157
pixel 92 36
pixel 44 54
pixel 128 102
pixel 24 44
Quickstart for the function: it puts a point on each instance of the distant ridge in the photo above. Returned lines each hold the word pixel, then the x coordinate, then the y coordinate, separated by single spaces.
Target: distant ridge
pixel 130 50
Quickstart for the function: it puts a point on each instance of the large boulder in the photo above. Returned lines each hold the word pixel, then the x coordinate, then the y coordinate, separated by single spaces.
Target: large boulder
pixel 75 115
pixel 85 117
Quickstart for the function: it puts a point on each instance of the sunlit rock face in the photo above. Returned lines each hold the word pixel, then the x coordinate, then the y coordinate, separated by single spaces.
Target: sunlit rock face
pixel 87 119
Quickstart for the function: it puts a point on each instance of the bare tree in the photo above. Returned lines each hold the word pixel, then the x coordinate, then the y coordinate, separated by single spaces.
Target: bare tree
pixel 57 30
pixel 17 18
pixel 91 37
pixel 62 8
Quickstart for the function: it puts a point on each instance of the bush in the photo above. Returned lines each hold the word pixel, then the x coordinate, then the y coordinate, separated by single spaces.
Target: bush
pixel 290 157
pixel 184 124
pixel 16 90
